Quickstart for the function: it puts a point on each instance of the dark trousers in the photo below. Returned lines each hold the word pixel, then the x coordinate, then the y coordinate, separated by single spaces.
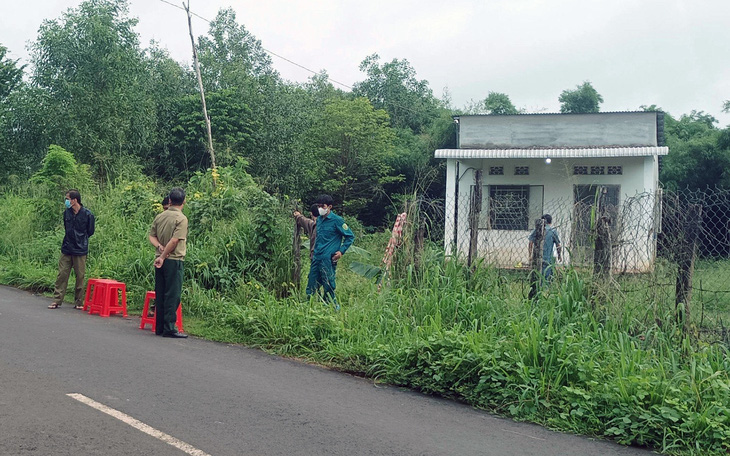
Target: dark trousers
pixel 65 264
pixel 168 289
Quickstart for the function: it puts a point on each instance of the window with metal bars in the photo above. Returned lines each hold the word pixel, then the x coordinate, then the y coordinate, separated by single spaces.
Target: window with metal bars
pixel 509 207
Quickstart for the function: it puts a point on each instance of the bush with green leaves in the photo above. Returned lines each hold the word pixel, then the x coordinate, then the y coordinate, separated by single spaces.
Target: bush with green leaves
pixel 238 232
pixel 60 170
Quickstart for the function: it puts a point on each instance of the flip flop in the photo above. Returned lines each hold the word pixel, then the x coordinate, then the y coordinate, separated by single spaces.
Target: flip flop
pixel 54 306
pixel 79 307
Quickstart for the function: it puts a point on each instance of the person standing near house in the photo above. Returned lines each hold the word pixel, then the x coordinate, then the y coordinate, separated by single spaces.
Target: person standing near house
pixel 334 237
pixel 550 241
pixel 169 232
pixel 79 224
pixel 309 225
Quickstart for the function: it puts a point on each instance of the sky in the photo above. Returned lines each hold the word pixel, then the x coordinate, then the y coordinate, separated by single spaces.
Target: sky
pixel 671 53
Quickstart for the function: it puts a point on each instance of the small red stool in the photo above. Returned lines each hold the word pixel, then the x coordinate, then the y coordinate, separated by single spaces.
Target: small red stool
pixel 90 289
pixel 147 319
pixel 104 298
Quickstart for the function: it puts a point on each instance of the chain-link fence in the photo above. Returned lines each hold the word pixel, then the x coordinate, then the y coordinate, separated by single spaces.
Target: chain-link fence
pixel 663 247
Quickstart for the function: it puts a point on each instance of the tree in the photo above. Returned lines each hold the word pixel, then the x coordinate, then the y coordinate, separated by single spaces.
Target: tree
pixel 90 65
pixel 11 161
pixel 10 74
pixel 496 103
pixel 393 87
pixel 230 56
pixel 231 128
pixel 167 84
pixel 355 149
pixel 285 158
pixel 699 154
pixel 499 103
pixel 24 131
pixel 584 99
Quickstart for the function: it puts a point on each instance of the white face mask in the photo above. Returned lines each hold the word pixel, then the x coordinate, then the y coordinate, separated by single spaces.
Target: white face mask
pixel 322 211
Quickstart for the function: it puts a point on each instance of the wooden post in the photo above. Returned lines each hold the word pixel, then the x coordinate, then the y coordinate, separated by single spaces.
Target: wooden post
pixel 419 239
pixel 297 250
pixel 202 92
pixel 686 262
pixel 475 210
pixel 602 251
pixel 536 258
pixel 602 248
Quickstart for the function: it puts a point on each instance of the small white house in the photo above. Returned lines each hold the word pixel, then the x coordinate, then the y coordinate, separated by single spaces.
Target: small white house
pixel 532 164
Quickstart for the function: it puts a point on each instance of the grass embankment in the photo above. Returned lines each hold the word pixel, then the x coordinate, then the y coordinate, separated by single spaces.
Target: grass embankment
pixel 616 370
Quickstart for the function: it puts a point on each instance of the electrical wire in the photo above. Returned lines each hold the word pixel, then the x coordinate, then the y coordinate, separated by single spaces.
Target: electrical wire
pixel 266 50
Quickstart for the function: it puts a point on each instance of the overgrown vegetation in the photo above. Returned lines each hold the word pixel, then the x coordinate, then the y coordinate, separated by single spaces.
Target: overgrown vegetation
pixel 616 370
pixel 121 123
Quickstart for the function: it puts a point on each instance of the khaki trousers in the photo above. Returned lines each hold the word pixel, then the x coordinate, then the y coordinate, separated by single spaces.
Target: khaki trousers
pixel 65 263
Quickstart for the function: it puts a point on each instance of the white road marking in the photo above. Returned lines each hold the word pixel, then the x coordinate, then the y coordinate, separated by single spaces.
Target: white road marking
pixel 170 440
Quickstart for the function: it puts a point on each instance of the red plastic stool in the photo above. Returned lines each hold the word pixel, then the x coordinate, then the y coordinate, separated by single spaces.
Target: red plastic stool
pixel 90 289
pixel 94 290
pixel 105 298
pixel 147 319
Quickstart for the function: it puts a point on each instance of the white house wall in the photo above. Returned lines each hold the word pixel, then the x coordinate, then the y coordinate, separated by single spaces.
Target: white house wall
pixel 509 248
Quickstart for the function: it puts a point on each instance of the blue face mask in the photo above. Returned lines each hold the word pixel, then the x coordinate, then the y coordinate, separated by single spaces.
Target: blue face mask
pixel 67 203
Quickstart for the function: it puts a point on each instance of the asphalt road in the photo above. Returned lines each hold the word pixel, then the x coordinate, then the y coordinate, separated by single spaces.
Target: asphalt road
pixel 220 399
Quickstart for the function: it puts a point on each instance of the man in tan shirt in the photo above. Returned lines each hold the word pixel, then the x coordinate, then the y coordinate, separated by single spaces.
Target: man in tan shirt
pixel 168 234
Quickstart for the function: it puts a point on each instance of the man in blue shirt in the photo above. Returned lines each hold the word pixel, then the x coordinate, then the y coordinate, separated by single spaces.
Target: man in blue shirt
pixel 334 237
pixel 550 240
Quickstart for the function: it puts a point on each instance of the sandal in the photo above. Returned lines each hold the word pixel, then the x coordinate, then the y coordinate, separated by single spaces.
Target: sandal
pixel 78 307
pixel 54 306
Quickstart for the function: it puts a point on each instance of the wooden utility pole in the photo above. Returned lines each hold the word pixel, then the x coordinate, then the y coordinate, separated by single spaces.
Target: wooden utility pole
pixel 202 92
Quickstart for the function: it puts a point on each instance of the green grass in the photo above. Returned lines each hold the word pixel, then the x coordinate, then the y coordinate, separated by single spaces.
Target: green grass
pixel 604 361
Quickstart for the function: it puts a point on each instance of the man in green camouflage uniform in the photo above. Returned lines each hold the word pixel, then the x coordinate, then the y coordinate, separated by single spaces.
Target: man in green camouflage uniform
pixel 334 237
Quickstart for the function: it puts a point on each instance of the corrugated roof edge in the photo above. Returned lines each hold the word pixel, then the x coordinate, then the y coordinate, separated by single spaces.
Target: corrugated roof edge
pixel 554 152
pixel 553 114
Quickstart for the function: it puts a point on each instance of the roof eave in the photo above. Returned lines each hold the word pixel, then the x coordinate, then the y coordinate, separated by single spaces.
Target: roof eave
pixel 587 152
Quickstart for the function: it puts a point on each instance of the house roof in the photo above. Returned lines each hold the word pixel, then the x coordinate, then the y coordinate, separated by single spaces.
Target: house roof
pixel 559 152
pixel 457 116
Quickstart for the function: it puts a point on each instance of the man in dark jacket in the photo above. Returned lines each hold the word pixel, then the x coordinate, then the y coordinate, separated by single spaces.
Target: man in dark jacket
pixel 79 225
